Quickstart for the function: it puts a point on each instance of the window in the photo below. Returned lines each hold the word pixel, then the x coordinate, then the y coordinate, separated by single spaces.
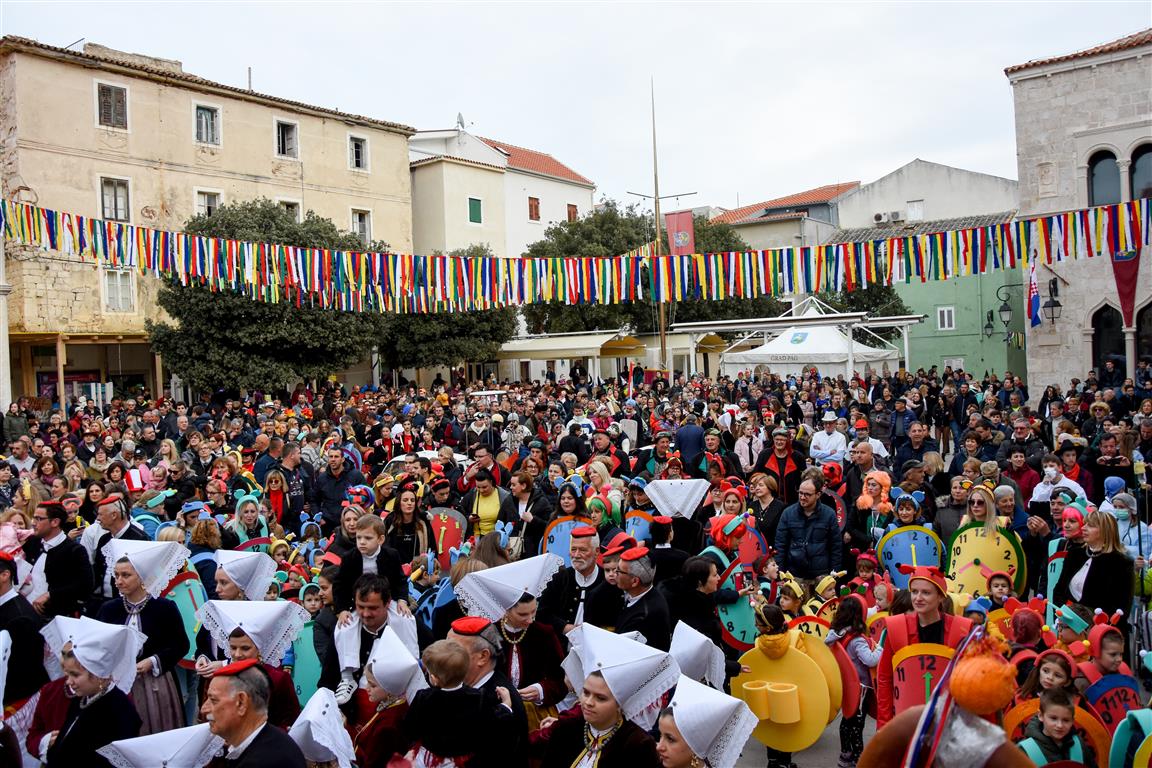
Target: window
pixel 114 199
pixel 207 124
pixel 915 210
pixel 118 291
pixel 292 207
pixel 112 106
pixel 475 211
pixel 534 209
pixel 357 153
pixel 1141 172
pixel 207 203
pixel 1103 179
pixel 573 212
pixel 945 318
pixel 287 144
pixel 362 225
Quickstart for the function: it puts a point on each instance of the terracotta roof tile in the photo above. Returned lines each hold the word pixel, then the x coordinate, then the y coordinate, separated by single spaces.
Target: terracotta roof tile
pixel 14 43
pixel 815 196
pixel 1131 41
pixel 913 228
pixel 536 162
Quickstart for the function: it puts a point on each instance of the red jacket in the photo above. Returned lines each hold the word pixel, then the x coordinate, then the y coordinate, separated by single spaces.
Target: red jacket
pixel 903 631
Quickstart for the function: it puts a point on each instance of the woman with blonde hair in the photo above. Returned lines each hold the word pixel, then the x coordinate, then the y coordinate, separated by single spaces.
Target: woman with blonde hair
pixel 598 476
pixel 1099 575
pixel 982 509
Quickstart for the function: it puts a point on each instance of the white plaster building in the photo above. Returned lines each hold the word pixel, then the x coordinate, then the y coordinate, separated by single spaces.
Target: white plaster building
pixel 1084 138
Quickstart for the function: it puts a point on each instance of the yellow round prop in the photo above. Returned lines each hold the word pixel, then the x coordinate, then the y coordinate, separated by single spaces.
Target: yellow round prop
pixel 793 685
pixel 814 630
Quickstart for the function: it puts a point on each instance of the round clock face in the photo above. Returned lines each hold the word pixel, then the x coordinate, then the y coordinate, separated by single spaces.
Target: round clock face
pixel 909 545
pixel 738 619
pixel 973 548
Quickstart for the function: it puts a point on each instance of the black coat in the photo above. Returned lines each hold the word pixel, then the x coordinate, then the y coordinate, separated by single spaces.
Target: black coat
pixel 26 666
pixel 533 532
pixel 328 494
pixel 352 568
pixel 272 748
pixel 110 718
pixel 510 745
pixel 668 562
pixel 1108 585
pixel 698 611
pixel 562 598
pixel 160 621
pixel 629 747
pixel 650 617
pixel 462 722
pixel 68 572
pixel 808 546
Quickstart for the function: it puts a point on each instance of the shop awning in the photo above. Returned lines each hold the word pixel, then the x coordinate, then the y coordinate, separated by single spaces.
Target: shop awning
pixel 557 346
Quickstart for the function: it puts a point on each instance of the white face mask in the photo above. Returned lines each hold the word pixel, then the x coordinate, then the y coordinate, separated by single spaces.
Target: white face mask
pixel 1051 473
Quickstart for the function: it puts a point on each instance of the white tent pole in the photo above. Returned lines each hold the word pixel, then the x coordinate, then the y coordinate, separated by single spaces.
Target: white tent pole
pixel 851 356
pixel 907 359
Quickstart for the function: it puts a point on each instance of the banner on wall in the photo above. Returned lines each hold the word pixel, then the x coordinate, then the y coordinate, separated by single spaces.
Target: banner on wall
pixel 1125 269
pixel 681 229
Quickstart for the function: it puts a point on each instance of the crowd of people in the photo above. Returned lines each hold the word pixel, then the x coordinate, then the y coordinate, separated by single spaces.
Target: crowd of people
pixel 523 574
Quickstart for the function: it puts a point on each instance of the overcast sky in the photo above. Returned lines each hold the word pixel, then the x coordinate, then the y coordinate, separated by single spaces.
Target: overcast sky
pixel 754 101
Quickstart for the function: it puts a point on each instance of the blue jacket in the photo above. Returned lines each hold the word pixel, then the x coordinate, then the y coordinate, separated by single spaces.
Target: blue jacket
pixel 808 546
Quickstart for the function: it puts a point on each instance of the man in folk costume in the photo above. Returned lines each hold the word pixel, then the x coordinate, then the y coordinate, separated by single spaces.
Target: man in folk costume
pixel 394 677
pixel 645 609
pixel 343 665
pixel 25 665
pixel 61 577
pixel 605 451
pixel 621 684
pixel 261 630
pixel 714 452
pixel 319 732
pixel 703 726
pixel 191 747
pixel 481 639
pixel 142 570
pixel 928 623
pixel 236 709
pixel 653 460
pixel 112 514
pixel 564 600
pixel 784 464
pixel 530 651
pixel 239 576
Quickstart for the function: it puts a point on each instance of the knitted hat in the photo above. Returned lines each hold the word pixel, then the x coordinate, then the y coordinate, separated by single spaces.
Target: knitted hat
pixel 493 591
pixel 105 650
pixel 155 562
pixel 272 625
pixel 636 674
pixel 699 658
pixel 252 571
pixel 715 726
pixel 319 731
pixel 191 747
pixel 394 667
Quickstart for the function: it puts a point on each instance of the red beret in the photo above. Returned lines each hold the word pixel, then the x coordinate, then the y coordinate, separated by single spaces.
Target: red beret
pixel 112 498
pixel 236 667
pixel 634 554
pixel 662 520
pixel 621 540
pixel 583 532
pixel 5 556
pixel 610 552
pixel 470 626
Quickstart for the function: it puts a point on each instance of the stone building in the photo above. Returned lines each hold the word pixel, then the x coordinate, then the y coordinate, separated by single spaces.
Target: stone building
pixel 1084 138
pixel 135 138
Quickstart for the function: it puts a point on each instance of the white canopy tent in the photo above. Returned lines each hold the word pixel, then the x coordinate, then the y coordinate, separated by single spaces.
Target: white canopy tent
pixel 826 347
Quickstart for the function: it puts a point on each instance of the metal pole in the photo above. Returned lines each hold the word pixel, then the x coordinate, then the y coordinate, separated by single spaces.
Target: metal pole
pixel 661 310
pixel 907 357
pixel 61 355
pixel 5 352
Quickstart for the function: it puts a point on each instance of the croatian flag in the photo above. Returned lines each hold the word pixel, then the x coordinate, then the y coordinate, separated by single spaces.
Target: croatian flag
pixel 1033 297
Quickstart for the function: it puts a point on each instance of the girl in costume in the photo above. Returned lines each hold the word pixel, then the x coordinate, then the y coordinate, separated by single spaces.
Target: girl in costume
pixel 907 510
pixel 605 515
pixel 790 596
pixel 248 523
pixel 875 502
pixel 393 678
pixel 824 591
pixel 850 631
pixel 142 570
pixel 1053 670
pixel 702 727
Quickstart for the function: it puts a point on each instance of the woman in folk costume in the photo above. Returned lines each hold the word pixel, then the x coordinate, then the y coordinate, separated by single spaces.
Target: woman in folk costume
pixel 262 630
pixel 703 727
pixel 239 576
pixel 99 662
pixel 320 734
pixel 700 658
pixel 927 623
pixel 394 676
pixel 142 569
pixel 191 747
pixel 619 681
pixel 507 596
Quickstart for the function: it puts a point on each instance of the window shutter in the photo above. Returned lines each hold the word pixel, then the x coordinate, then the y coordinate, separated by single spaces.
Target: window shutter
pixel 119 107
pixel 105 105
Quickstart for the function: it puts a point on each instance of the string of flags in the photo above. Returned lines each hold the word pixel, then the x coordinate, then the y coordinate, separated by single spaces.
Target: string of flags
pixel 392 282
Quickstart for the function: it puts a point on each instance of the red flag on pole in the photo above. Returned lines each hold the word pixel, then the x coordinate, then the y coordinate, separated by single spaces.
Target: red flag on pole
pixel 681 233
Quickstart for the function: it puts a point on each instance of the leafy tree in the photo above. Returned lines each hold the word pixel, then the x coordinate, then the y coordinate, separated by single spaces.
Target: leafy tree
pixel 222 339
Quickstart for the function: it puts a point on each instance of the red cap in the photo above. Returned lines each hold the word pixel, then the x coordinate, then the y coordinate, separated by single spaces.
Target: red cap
pixel 861 424
pixel 662 520
pixel 583 532
pixel 5 556
pixel 621 540
pixel 236 667
pixel 634 554
pixel 111 498
pixel 927 573
pixel 470 626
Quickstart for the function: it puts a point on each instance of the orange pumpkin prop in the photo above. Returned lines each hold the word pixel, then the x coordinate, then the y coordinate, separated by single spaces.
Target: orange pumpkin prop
pixel 983 682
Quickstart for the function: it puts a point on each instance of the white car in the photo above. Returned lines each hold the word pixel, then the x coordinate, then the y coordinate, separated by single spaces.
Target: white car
pixel 396 465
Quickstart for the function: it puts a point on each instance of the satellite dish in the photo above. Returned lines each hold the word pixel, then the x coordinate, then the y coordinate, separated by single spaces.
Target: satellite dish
pixel 460 120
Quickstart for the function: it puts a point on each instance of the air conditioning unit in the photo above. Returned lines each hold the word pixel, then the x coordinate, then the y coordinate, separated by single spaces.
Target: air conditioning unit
pixel 897 215
pixel 880 218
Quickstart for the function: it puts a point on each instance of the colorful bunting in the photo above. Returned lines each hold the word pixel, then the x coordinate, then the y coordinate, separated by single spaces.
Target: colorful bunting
pixel 389 282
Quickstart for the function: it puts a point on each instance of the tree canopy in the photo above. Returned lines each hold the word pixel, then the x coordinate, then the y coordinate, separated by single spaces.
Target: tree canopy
pixel 223 339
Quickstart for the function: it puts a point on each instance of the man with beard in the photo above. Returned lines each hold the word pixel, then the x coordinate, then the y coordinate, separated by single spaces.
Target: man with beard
pixel 564 600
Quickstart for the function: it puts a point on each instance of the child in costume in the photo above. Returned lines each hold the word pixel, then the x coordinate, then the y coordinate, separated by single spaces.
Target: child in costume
pixel 825 591
pixel 791 596
pixel 867 564
pixel 1053 670
pixel 1106 645
pixel 311 599
pixel 999 589
pixel 769 575
pixel 1073 620
pixel 393 678
pixel 907 510
pixel 1049 737
pixel 977 611
pixel 849 630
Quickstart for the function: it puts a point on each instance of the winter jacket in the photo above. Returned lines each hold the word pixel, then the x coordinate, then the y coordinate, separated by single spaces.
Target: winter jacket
pixel 808 546
pixel 328 493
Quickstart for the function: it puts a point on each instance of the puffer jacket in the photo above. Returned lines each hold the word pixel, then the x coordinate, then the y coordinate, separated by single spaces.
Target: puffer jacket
pixel 808 546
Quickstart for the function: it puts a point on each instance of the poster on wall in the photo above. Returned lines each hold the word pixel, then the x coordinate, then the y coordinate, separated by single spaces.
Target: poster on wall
pixel 74 382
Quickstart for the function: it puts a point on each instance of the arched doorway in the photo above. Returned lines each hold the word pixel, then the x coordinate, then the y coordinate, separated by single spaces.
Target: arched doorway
pixel 1144 332
pixel 1107 335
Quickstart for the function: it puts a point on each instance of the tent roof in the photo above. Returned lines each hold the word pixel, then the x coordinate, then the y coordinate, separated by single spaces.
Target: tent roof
pixel 810 344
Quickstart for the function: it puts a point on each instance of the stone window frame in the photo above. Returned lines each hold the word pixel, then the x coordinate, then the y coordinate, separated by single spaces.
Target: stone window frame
pixel 219 143
pixel 352 211
pixel 133 290
pixel 367 167
pixel 299 156
pixel 208 190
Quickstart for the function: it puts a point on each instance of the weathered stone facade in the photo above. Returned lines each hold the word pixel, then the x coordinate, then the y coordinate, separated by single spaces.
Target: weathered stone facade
pixel 1066 110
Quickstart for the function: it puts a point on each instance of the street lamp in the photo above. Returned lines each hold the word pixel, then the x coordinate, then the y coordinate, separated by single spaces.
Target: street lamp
pixel 1052 307
pixel 1005 308
pixel 989 328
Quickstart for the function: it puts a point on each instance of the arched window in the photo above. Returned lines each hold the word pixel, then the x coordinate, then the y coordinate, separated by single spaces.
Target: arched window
pixel 1107 335
pixel 1103 179
pixel 1140 172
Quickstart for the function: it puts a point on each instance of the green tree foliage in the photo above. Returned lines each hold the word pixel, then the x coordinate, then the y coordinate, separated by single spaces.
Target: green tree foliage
pixel 876 300
pixel 229 340
pixel 612 230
